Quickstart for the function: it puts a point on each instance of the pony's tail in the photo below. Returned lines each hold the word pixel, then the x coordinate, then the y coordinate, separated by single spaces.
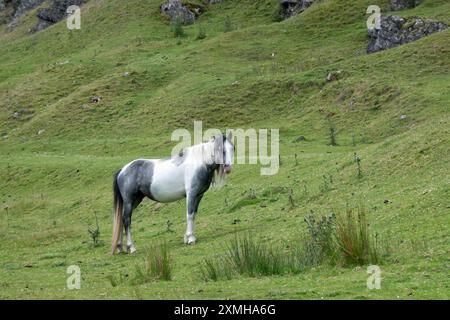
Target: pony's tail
pixel 118 207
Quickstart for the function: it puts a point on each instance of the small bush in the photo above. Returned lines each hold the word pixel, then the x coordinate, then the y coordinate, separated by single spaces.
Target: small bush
pixel 228 25
pixel 332 132
pixel 95 233
pixel 156 265
pixel 358 165
pixel 343 239
pixel 177 28
pixel 319 245
pixel 201 34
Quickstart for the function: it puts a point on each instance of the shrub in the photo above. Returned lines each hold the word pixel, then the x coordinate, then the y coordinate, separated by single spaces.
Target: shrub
pixel 332 132
pixel 95 233
pixel 342 239
pixel 319 245
pixel 177 27
pixel 201 34
pixel 228 25
pixel 358 165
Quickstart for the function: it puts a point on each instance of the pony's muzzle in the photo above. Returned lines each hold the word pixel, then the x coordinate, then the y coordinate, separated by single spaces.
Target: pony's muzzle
pixel 227 168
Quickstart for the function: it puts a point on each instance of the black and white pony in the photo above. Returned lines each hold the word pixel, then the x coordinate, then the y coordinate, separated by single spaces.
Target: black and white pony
pixel 187 175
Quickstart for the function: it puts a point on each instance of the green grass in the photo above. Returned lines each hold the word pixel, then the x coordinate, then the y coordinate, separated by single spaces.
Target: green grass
pixel 249 256
pixel 54 184
pixel 156 265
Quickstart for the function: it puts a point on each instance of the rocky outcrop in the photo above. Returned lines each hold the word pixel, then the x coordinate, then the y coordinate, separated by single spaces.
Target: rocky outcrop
pixel 396 31
pixel 17 8
pixel 404 4
pixel 47 16
pixel 289 8
pixel 177 11
pixel 55 13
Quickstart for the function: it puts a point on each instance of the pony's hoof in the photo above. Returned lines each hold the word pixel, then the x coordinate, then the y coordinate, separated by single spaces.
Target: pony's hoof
pixel 191 239
pixel 131 249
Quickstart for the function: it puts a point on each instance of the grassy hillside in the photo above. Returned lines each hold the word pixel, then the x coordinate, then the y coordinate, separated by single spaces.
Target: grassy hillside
pixel 264 74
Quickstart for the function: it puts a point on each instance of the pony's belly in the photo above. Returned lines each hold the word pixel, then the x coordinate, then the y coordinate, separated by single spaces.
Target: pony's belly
pixel 168 182
pixel 163 194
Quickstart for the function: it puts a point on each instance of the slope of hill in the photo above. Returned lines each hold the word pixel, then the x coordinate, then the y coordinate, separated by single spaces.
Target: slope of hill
pixel 58 150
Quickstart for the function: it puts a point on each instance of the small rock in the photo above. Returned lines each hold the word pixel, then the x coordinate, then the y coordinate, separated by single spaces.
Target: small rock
pixel 41 132
pixel 334 75
pixel 300 138
pixel 126 74
pixel 176 10
pixel 16 115
pixel 403 117
pixel 96 99
pixel 386 201
pixel 289 8
pixel 403 4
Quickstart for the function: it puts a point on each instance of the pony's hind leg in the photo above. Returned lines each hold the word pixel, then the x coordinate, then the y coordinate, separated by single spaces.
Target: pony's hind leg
pixel 119 244
pixel 129 206
pixel 128 210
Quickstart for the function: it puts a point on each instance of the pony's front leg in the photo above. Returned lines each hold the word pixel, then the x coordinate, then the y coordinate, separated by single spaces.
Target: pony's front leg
pixel 189 237
pixel 192 202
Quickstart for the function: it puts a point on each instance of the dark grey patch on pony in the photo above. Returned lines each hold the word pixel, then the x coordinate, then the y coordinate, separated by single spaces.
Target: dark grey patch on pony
pixel 135 181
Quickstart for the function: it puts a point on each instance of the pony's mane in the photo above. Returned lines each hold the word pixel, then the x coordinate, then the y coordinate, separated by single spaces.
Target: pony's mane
pixel 219 175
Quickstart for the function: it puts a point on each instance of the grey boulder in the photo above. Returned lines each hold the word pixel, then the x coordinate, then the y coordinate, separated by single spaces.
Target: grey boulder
pixel 396 31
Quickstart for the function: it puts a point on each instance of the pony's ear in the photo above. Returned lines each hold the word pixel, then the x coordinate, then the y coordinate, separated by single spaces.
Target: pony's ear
pixel 230 136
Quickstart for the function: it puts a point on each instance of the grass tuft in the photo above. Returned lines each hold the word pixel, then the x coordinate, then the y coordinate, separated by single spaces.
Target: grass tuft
pixel 157 265
pixel 249 256
pixel 343 240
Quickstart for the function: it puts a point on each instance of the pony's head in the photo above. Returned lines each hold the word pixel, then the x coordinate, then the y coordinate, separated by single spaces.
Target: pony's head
pixel 222 155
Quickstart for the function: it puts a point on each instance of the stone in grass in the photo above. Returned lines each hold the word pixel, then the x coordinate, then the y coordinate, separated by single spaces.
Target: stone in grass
pixel 289 8
pixel 96 99
pixel 404 4
pixel 300 138
pixel 177 11
pixel 396 31
pixel 57 11
pixel 334 75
